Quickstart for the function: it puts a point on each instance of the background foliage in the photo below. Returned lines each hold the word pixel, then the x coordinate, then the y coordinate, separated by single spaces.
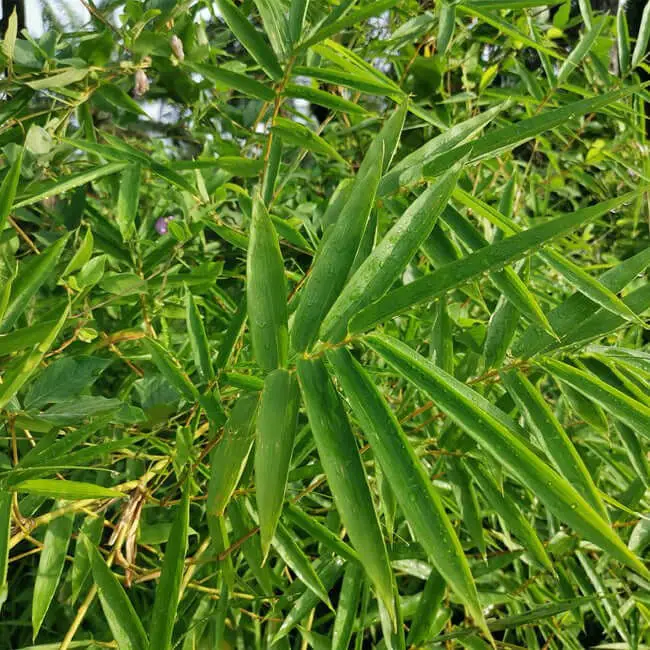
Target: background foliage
pixel 322 326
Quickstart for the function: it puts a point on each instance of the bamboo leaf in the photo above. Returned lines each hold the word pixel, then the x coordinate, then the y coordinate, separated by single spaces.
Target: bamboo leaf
pixel 168 592
pixel 50 567
pixel 266 292
pixel 553 438
pixel 171 370
pixel 68 490
pixel 301 136
pixel 122 618
pixel 346 612
pixel 127 200
pixel 643 37
pixel 230 455
pixel 5 535
pixel 492 257
pixel 276 26
pixel 623 407
pixel 425 513
pixel 502 439
pixel 386 262
pixel 276 430
pixel 346 475
pixel 250 38
pixel 198 337
pixel 227 79
pixel 32 276
pixel 8 188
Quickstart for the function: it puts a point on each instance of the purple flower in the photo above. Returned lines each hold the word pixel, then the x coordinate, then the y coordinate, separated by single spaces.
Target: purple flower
pixel 161 224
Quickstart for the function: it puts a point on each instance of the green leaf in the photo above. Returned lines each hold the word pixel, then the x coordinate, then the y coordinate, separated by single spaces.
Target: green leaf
pixel 407 478
pixel 446 25
pixel 266 292
pixel 623 407
pixel 171 370
pixel 388 260
pixel 82 254
pixel 335 256
pixel 428 609
pixel 276 430
pixel 303 137
pixel 8 189
pixel 346 475
pixel 582 48
pixel 322 98
pixel 293 556
pixel 345 21
pixel 329 572
pixel 127 200
pixel 578 308
pixel 467 501
pixel 92 528
pixel 50 566
pixel 411 168
pixel 507 509
pixel 31 277
pixel 622 40
pixel 120 614
pixel 227 79
pixel 5 535
pixel 503 439
pixel 114 95
pixel 553 438
pixel 364 83
pixel 250 38
pixel 56 187
pixel 492 257
pixel 297 13
pixel 513 135
pixel 230 455
pixel 275 25
pixel 643 37
pixel 168 592
pixel 198 338
pixel 68 490
pixel 346 612
pixel 59 80
pixel 13 380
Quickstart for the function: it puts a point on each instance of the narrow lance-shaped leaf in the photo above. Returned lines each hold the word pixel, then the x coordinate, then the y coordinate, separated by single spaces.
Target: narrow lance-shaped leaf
pixel 275 25
pixel 643 37
pixel 334 259
pixel 294 557
pixel 297 13
pixel 120 614
pixel 229 456
pixel 492 257
pixel 127 200
pixel 92 528
pixel 266 292
pixel 467 501
pixel 346 475
pixel 410 168
pixel 276 430
pixel 68 490
pixel 505 280
pixel 5 534
pixel 622 39
pixel 328 574
pixel 512 135
pixel 623 407
pixel 428 609
pixel 8 189
pixel 346 612
pixel 302 136
pixel 387 261
pixel 507 509
pixel 578 307
pixel 553 438
pixel 581 50
pixel 50 566
pixel 168 592
pixel 446 24
pixel 31 277
pixel 230 80
pixel 413 489
pixel 502 438
pixel 171 370
pixel 250 38
pixel 13 380
pixel 56 187
pixel 198 337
